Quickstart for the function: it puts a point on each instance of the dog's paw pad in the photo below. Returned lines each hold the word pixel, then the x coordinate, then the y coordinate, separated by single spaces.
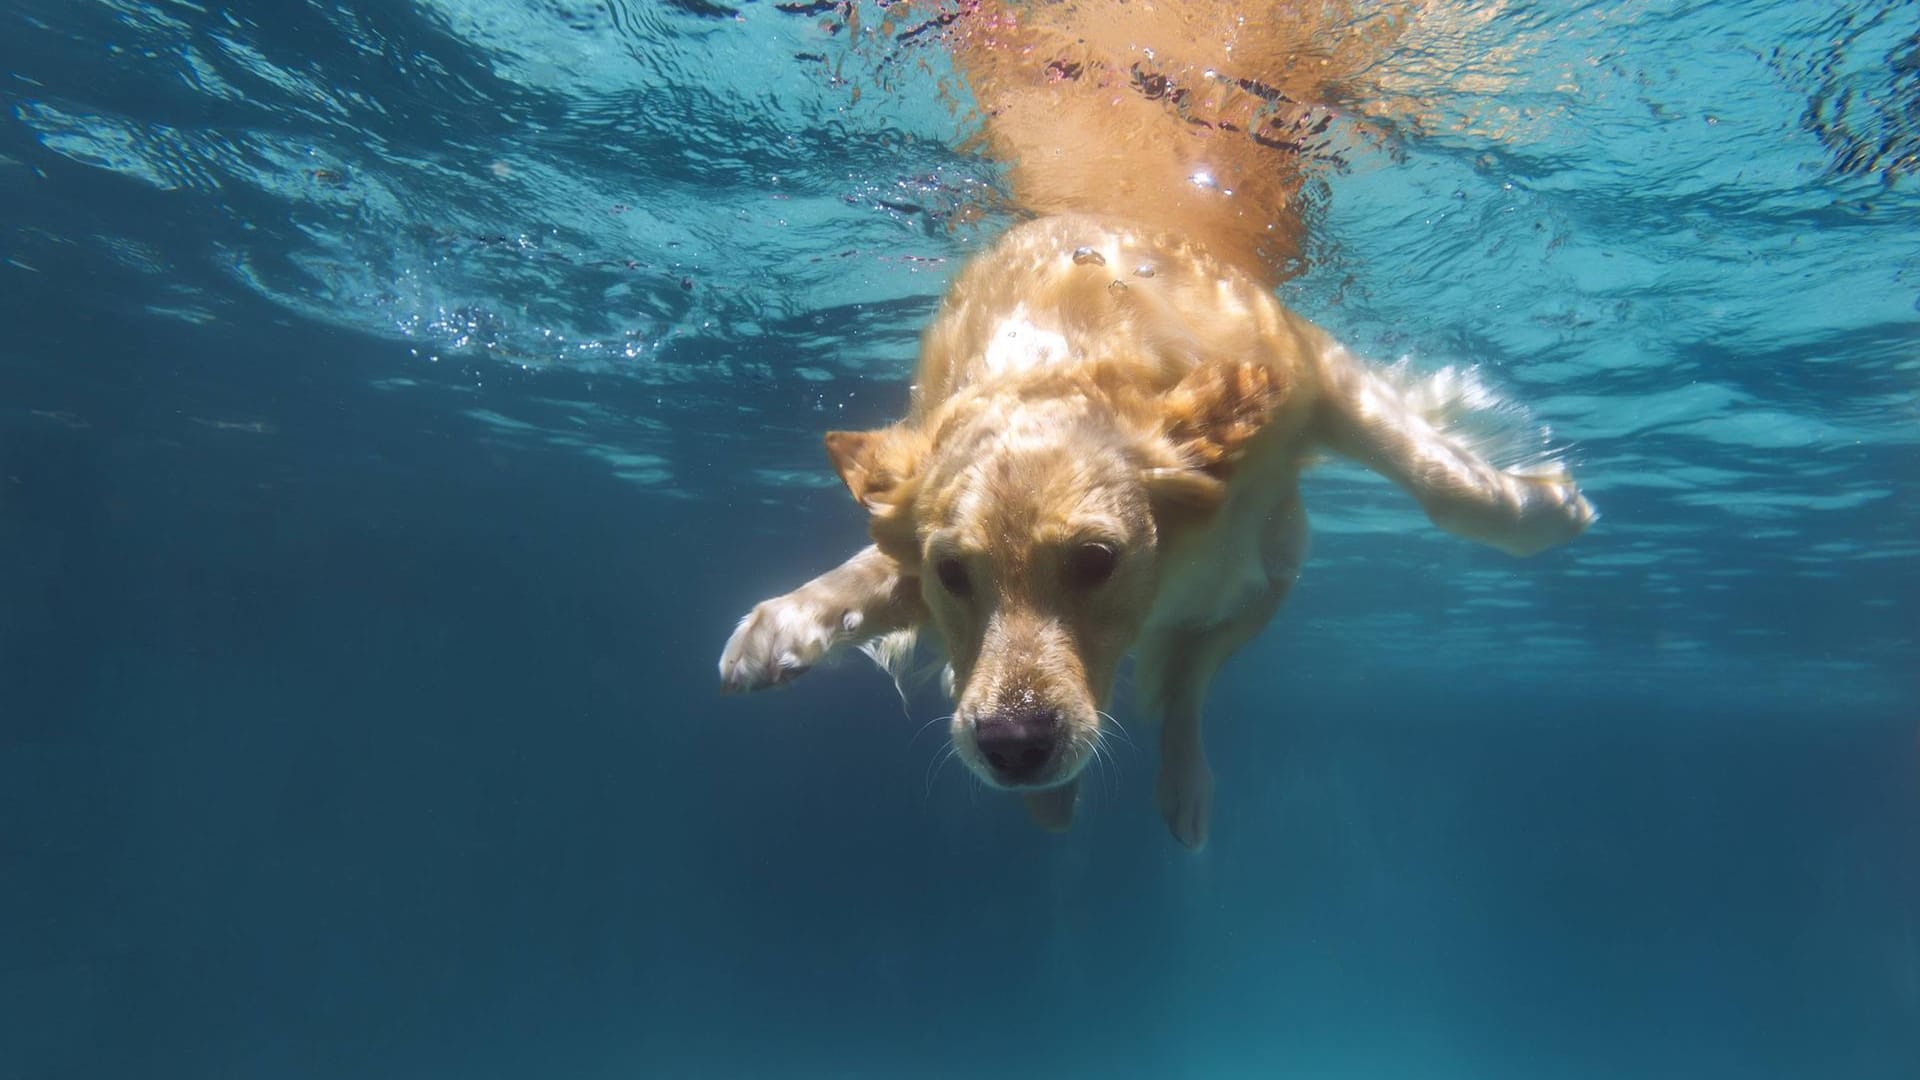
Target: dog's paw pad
pixel 1555 492
pixel 1186 802
pixel 1543 510
pixel 779 641
pixel 1567 512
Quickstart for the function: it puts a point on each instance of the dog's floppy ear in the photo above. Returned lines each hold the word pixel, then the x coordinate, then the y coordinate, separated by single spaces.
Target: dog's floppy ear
pixel 877 466
pixel 1206 423
pixel 881 468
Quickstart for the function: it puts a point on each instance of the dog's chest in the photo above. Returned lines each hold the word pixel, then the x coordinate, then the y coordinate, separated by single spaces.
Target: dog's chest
pixel 1210 584
pixel 1250 556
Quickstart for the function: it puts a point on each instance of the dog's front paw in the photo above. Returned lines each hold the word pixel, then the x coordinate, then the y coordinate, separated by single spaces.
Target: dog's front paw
pixel 1552 511
pixel 1185 792
pixel 780 639
pixel 1559 498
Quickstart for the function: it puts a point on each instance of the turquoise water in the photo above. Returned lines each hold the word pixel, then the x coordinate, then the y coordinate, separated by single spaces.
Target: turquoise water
pixel 401 401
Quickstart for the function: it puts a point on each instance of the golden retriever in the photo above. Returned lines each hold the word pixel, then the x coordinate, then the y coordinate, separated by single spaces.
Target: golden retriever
pixel 1112 411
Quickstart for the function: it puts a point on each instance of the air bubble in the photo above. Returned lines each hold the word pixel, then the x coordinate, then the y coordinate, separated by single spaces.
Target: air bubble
pixel 1143 270
pixel 1086 256
pixel 1117 287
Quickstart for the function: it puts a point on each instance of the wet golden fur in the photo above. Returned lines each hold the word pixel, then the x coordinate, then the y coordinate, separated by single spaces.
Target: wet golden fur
pixel 1112 410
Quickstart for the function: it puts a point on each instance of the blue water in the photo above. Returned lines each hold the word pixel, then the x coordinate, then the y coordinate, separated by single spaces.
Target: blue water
pixel 400 401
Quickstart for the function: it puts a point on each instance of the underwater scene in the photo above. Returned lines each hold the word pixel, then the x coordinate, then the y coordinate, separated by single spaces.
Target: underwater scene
pixel 402 402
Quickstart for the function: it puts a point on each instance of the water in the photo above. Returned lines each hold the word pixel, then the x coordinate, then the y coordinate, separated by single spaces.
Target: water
pixel 399 402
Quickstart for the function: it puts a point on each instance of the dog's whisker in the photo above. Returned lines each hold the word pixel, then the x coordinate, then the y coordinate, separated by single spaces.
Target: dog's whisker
pixel 933 771
pixel 1105 747
pixel 1091 746
pixel 1099 765
pixel 1097 759
pixel 1101 744
pixel 922 729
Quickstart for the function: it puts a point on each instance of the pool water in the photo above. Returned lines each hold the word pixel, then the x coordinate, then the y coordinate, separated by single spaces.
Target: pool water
pixel 399 403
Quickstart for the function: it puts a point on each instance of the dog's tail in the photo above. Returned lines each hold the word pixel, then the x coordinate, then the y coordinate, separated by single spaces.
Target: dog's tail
pixel 1201 115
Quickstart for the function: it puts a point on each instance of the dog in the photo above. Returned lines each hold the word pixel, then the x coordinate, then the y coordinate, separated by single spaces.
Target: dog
pixel 1110 417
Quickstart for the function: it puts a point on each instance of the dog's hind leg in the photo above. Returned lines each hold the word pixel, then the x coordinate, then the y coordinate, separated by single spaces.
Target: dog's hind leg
pixel 1370 419
pixel 854 603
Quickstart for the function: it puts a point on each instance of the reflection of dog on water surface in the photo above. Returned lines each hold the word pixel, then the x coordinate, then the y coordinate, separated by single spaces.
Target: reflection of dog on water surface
pixel 1111 413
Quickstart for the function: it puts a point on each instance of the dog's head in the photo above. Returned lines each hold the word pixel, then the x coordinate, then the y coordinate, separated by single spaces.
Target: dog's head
pixel 1036 516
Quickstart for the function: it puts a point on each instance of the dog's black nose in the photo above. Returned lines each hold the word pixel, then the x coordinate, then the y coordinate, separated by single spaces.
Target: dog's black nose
pixel 1018 743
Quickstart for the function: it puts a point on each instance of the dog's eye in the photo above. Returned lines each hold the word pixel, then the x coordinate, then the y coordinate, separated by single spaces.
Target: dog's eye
pixel 1091 564
pixel 953 576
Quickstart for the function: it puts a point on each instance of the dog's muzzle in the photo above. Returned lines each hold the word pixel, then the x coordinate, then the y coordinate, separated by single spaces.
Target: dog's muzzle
pixel 1019 745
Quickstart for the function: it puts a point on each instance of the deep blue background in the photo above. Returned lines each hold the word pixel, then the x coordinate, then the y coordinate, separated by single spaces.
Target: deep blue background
pixel 357 749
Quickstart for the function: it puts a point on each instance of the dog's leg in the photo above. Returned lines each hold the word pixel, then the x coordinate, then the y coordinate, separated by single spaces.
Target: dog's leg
pixel 1184 787
pixel 1369 419
pixel 781 638
pixel 1173 670
pixel 1052 809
